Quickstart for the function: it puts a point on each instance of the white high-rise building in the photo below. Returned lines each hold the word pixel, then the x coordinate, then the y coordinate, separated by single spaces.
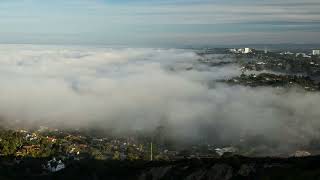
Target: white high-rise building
pixel 316 52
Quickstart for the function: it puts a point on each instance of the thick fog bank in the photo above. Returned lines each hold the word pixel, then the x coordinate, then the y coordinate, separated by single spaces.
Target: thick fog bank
pixel 127 90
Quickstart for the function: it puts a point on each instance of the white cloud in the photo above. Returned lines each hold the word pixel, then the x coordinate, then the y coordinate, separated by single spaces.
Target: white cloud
pixel 134 89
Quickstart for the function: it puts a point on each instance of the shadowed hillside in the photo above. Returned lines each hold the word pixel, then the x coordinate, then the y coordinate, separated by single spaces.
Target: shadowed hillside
pixel 225 168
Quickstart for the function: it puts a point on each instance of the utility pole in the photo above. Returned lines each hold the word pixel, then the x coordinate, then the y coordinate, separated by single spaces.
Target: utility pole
pixel 151 151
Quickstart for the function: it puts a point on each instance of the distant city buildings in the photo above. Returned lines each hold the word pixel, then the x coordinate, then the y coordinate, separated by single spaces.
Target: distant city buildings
pixel 241 50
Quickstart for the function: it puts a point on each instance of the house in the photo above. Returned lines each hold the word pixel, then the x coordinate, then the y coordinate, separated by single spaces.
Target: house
pixel 316 52
pixel 247 50
pixel 51 139
pixel 301 154
pixel 221 151
pixel 233 50
pixel 28 149
pixel 286 53
pixel 31 137
pixel 22 131
pixel 261 63
pixel 54 165
pixel 303 55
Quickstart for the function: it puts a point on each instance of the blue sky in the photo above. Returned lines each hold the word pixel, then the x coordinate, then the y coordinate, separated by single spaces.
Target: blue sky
pixel 159 22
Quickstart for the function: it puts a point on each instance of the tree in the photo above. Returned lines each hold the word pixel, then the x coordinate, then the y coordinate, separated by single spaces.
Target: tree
pixel 116 156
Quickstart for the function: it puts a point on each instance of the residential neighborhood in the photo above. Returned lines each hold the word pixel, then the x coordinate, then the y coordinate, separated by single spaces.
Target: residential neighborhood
pixel 59 148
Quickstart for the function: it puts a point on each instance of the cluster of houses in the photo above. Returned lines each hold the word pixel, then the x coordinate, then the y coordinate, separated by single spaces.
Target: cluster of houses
pixel 267 79
pixel 315 52
pixel 75 147
pixel 78 147
pixel 71 147
pixel 288 63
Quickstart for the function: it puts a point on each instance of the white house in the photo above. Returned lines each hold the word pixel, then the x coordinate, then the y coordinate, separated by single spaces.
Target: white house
pixel 316 52
pixel 286 53
pixel 301 154
pixel 247 50
pixel 303 55
pixel 54 165
pixel 221 151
